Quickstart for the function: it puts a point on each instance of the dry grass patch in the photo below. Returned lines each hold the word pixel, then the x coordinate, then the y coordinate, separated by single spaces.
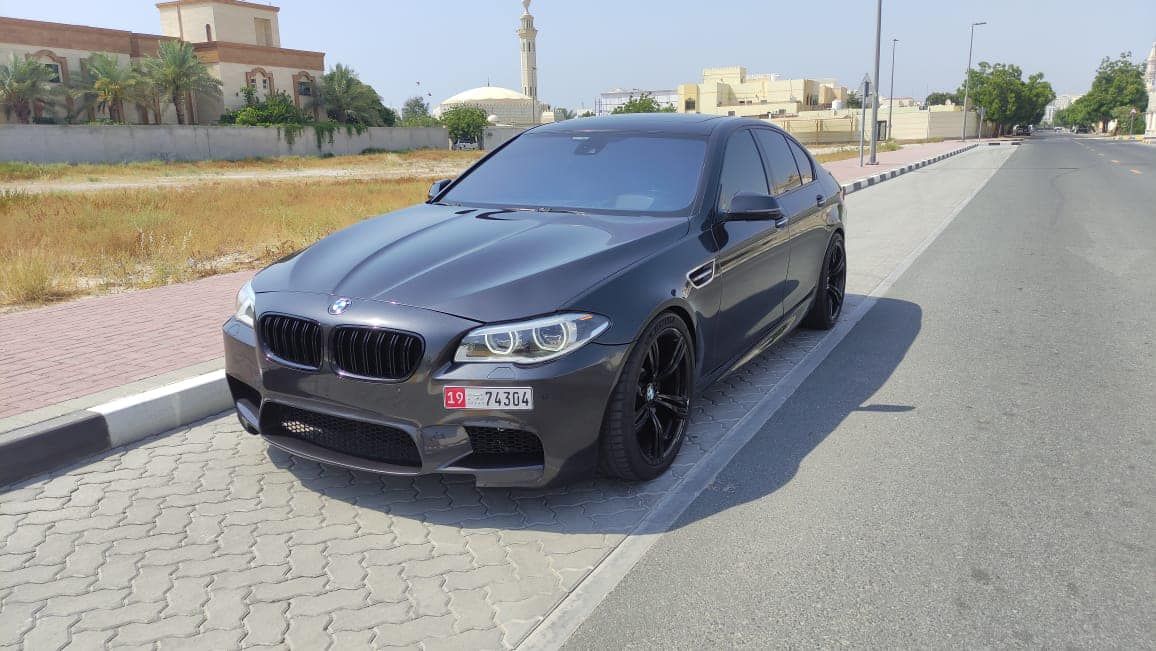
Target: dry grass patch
pixel 93 172
pixel 58 245
pixel 853 152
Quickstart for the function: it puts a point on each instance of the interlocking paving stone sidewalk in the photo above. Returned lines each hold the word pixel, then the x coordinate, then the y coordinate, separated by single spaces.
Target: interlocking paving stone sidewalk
pixel 206 538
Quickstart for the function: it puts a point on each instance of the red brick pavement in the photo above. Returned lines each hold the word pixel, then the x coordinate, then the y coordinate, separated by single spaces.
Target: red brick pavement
pixel 61 352
pixel 70 350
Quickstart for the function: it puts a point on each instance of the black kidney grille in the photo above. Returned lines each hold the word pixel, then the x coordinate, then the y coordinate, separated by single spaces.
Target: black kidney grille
pixel 353 437
pixel 376 353
pixel 294 340
pixel 516 445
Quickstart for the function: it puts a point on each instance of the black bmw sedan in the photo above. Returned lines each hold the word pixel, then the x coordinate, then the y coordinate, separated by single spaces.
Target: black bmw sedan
pixel 550 312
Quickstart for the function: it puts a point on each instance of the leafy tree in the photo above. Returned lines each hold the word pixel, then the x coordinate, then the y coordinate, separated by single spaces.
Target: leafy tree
pixel 276 109
pixel 586 114
pixel 388 116
pixel 1124 117
pixel 176 72
pixel 1118 83
pixel 415 108
pixel 109 85
pixel 563 114
pixel 940 98
pixel 349 100
pixel 23 83
pixel 854 100
pixel 465 123
pixel 1006 99
pixel 644 103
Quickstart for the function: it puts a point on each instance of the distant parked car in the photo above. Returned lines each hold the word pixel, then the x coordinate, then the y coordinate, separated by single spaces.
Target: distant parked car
pixel 1083 128
pixel 1021 130
pixel 551 311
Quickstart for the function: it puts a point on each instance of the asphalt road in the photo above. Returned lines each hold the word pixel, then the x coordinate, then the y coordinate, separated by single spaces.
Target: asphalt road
pixel 973 465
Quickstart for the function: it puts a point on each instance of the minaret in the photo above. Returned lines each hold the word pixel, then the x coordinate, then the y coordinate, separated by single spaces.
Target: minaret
pixel 528 36
pixel 1150 77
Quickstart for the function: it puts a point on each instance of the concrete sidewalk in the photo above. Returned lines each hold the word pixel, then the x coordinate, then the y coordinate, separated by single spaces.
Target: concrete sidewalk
pixel 62 358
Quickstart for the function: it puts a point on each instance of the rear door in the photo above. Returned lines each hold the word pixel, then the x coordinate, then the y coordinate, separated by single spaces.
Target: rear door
pixel 793 182
pixel 752 256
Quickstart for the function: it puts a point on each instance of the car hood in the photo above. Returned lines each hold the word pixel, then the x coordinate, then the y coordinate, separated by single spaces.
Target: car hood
pixel 482 264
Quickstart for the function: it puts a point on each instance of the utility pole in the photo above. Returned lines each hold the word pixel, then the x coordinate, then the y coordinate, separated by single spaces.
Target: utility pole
pixel 891 94
pixel 875 81
pixel 863 119
pixel 967 80
pixel 1131 116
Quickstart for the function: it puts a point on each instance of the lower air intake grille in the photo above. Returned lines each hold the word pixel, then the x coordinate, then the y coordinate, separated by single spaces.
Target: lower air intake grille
pixel 353 437
pixel 494 446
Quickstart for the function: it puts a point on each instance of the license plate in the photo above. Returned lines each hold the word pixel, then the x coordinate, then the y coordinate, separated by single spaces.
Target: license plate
pixel 500 398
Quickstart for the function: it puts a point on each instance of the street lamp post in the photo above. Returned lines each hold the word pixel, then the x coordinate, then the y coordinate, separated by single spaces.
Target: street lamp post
pixel 863 119
pixel 875 82
pixel 967 80
pixel 1131 116
pixel 891 94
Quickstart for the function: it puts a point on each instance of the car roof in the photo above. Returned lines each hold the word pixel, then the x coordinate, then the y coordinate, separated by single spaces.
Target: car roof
pixel 675 123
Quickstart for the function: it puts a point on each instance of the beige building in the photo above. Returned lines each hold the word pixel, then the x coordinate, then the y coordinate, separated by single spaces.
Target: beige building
pixel 240 43
pixel 732 91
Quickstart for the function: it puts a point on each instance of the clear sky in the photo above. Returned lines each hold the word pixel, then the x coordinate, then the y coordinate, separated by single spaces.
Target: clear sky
pixel 588 46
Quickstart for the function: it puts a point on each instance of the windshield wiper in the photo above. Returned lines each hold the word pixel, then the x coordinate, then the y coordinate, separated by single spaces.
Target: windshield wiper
pixel 567 211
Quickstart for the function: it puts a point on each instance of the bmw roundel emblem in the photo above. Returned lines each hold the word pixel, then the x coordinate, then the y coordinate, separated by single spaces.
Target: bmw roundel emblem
pixel 340 305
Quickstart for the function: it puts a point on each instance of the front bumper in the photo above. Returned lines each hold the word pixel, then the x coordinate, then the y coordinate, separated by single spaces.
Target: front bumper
pixel 570 396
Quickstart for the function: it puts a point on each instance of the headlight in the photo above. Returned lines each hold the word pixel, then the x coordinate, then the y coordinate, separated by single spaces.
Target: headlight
pixel 530 342
pixel 245 299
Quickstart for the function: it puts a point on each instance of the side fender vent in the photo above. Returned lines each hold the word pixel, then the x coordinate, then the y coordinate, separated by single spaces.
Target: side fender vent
pixel 701 275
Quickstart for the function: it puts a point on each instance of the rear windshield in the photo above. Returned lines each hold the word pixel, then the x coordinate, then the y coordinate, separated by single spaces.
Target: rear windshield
pixel 588 171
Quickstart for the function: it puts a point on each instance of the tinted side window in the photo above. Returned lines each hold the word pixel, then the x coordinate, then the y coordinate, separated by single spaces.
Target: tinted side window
pixel 803 161
pixel 742 169
pixel 783 171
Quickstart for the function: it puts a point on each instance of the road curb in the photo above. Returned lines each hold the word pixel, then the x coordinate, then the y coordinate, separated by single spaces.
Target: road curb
pixel 861 184
pixel 34 449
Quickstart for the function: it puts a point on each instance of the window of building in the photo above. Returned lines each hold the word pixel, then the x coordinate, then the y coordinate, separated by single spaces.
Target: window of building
pixel 742 169
pixel 54 73
pixel 208 33
pixel 783 171
pixel 688 105
pixel 264 29
pixel 304 88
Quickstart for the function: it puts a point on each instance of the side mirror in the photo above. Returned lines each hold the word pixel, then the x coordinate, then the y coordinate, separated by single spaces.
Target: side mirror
pixel 751 206
pixel 437 187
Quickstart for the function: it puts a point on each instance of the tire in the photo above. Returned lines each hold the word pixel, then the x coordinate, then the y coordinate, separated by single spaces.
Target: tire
pixel 831 290
pixel 649 409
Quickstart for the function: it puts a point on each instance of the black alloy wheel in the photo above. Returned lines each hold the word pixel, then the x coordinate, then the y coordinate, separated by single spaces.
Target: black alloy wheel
pixel 830 293
pixel 649 409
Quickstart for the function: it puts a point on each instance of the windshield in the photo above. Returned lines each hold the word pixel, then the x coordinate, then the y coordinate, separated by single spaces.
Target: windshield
pixel 588 171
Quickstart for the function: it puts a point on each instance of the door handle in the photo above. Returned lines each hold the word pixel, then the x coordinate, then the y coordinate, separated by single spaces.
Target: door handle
pixel 819 201
pixel 781 223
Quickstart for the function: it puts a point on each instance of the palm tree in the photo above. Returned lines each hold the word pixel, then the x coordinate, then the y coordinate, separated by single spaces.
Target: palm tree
pixel 111 84
pixel 23 83
pixel 349 100
pixel 176 71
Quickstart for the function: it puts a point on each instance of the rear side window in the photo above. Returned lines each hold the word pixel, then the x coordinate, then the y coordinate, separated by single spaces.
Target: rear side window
pixel 806 171
pixel 783 171
pixel 742 169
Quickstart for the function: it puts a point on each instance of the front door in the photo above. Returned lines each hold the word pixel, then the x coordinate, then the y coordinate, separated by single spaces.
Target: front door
pixel 752 257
